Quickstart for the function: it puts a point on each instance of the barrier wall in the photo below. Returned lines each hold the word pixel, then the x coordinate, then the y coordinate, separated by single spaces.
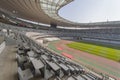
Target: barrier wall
pixel 107 43
pixel 102 40
pixel 2 46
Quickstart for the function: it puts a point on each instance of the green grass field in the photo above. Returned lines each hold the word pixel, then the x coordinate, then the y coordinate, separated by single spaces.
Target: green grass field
pixel 110 53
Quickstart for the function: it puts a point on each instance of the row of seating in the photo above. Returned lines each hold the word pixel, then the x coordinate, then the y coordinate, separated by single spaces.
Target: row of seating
pixel 38 61
pixel 110 34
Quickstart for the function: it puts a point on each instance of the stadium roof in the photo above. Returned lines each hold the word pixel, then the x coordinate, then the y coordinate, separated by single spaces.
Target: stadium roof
pixel 44 11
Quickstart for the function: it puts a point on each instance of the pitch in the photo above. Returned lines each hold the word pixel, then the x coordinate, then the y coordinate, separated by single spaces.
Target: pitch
pixel 110 53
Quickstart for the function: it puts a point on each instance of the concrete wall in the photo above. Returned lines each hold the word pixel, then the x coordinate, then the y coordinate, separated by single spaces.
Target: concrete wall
pixel 103 41
pixel 2 46
pixel 112 44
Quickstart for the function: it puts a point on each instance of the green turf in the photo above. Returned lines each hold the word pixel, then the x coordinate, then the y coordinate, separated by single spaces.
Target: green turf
pixel 110 53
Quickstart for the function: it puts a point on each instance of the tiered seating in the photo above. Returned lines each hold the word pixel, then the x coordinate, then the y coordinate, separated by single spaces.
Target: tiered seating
pixel 112 34
pixel 35 61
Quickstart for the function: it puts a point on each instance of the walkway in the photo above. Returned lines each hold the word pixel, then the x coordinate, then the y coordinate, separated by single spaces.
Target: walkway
pixel 8 64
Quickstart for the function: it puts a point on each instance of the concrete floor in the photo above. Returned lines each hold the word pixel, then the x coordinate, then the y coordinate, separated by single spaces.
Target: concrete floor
pixel 8 64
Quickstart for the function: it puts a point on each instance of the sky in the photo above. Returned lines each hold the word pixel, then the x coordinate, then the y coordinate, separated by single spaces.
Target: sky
pixel 85 11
